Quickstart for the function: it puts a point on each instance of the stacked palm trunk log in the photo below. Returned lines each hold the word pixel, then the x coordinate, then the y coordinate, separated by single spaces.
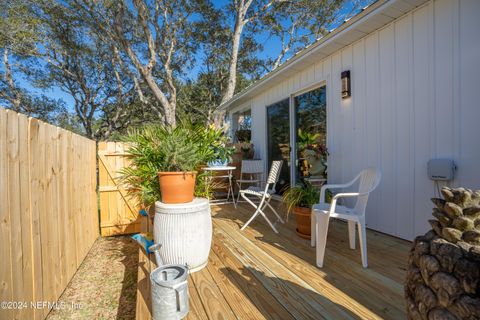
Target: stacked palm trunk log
pixel 443 275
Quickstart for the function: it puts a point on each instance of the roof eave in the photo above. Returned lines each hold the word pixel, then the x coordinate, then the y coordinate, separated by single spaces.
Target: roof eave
pixel 370 11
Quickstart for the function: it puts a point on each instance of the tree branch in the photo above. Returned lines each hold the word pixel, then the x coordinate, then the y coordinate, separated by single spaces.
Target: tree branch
pixel 142 11
pixel 15 98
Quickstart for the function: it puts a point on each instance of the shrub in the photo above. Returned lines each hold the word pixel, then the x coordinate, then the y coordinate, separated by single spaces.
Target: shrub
pixel 302 195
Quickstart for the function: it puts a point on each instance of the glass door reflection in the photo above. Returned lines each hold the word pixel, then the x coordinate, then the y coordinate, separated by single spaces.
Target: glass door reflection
pixel 310 110
pixel 278 139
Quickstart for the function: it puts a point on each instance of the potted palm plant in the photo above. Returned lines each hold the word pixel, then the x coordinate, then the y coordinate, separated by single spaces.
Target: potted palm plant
pixel 172 154
pixel 300 200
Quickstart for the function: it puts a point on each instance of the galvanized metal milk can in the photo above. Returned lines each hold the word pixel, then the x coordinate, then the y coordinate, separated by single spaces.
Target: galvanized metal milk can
pixel 169 289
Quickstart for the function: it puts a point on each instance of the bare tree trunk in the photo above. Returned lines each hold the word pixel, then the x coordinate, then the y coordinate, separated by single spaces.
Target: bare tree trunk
pixel 170 118
pixel 146 70
pixel 15 96
pixel 168 107
pixel 232 74
pixel 232 77
pixel 242 7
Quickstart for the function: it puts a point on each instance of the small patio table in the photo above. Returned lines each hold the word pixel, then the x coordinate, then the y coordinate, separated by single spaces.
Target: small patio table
pixel 228 170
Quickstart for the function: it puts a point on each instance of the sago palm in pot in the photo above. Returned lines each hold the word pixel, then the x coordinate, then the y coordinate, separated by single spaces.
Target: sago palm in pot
pixel 172 155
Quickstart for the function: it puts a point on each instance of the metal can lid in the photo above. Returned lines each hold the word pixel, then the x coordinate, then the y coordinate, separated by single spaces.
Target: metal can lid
pixel 169 275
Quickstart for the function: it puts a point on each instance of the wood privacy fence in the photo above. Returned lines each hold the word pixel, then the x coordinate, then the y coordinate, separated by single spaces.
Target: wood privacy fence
pixel 48 211
pixel 118 213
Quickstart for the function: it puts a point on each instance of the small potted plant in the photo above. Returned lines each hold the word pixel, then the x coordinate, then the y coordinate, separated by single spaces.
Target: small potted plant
pixel 216 141
pixel 300 200
pixel 222 156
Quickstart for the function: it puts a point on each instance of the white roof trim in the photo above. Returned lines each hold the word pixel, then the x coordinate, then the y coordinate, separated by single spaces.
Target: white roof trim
pixel 371 18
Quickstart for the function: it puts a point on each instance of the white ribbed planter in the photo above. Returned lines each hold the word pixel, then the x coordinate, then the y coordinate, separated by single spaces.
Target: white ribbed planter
pixel 185 232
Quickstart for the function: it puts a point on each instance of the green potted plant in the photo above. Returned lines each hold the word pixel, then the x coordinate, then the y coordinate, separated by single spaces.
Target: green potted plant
pixel 223 156
pixel 171 153
pixel 300 200
pixel 306 139
pixel 217 142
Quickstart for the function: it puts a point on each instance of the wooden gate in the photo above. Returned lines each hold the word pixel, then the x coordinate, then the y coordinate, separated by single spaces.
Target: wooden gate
pixel 118 214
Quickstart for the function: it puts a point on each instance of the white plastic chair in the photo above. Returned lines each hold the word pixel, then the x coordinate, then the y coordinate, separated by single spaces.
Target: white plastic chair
pixel 264 195
pixel 322 212
pixel 252 169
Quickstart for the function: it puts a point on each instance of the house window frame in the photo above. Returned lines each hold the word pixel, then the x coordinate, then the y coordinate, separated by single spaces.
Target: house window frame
pixel 234 122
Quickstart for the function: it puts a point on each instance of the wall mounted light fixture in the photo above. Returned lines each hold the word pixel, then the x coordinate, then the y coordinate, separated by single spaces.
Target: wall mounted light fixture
pixel 346 90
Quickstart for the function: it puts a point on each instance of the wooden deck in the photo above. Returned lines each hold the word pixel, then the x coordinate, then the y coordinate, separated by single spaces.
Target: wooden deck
pixel 257 274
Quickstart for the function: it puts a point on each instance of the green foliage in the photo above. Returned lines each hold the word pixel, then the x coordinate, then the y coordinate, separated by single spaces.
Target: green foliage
pixel 305 138
pixel 198 98
pixel 172 149
pixel 213 144
pixel 19 28
pixel 302 195
pixel 141 181
pixel 158 148
pixel 205 186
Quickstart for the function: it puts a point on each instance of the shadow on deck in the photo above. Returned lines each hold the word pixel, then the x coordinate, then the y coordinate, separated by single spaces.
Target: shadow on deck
pixel 257 274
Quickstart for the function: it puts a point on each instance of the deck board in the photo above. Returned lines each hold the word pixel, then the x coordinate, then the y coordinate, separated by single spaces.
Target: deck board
pixel 356 282
pixel 197 310
pixel 240 304
pixel 253 290
pixel 257 274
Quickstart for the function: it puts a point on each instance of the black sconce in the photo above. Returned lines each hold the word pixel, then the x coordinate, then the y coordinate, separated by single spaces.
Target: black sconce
pixel 346 90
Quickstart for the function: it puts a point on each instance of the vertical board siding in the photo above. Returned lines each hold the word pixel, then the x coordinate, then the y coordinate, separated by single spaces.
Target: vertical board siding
pixel 371 145
pixel 423 123
pixel 348 112
pixel 40 212
pixel 386 116
pixel 6 293
pixel 413 99
pixel 338 124
pixel 403 175
pixel 26 216
pixel 14 205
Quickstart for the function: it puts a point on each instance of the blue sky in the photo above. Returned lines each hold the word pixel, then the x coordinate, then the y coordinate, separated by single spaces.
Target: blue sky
pixel 271 46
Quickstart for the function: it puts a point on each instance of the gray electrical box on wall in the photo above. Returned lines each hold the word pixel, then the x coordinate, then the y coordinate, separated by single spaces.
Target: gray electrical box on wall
pixel 441 169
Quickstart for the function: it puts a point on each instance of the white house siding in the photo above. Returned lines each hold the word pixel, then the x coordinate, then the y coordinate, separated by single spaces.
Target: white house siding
pixel 415 96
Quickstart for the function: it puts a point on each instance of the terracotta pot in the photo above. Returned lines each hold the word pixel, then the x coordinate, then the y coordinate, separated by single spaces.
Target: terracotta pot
pixel 303 218
pixel 177 187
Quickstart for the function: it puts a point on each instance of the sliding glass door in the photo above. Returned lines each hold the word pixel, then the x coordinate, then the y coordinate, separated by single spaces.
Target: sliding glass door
pixel 301 122
pixel 278 139
pixel 310 110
